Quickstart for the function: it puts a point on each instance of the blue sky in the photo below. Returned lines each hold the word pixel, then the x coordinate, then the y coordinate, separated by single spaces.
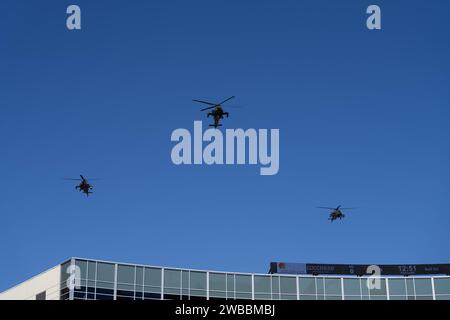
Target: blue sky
pixel 363 118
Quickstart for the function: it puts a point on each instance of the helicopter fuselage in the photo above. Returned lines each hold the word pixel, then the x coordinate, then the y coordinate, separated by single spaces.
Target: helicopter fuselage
pixel 84 187
pixel 336 214
pixel 217 114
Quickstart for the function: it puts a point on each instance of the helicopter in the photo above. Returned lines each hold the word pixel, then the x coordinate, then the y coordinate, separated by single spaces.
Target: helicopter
pixel 217 113
pixel 84 185
pixel 336 213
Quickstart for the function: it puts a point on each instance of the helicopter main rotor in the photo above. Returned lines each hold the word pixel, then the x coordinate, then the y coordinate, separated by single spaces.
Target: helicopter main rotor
pixel 213 105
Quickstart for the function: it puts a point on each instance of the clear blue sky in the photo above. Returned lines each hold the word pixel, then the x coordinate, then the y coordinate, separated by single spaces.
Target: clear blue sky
pixel 364 121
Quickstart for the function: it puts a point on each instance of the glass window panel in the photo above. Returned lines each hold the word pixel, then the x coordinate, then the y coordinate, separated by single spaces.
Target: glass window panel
pixel 139 276
pixel 424 297
pixel 196 297
pixel 217 294
pixel 287 285
pixel 243 283
pixel 397 287
pixel 307 286
pixel 423 287
pixel 172 278
pixel 231 295
pixel 243 295
pixel 105 272
pixel 127 287
pixel 105 285
pixel 364 288
pixel 262 296
pixel 352 287
pixel 262 284
pixel 397 297
pixel 443 297
pixel 230 283
pixel 333 297
pixel 410 287
pixel 288 297
pixel 152 277
pixel 198 280
pixel 124 298
pixel 104 297
pixel 442 285
pixel 320 287
pixel 275 284
pixel 378 297
pixel 92 267
pixel 185 280
pixel 152 289
pixel 307 297
pixel 352 297
pixel 172 291
pixel 64 274
pixel 333 287
pixel 128 292
pixel 77 296
pixel 198 293
pixel 83 268
pixel 217 281
pixel 125 274
pixel 175 296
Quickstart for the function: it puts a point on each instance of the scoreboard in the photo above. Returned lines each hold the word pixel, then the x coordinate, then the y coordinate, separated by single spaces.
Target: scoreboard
pixel 359 269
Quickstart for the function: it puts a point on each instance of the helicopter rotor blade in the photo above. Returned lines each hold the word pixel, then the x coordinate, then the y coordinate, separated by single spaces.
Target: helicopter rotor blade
pixel 347 208
pixel 72 179
pixel 205 102
pixel 207 108
pixel 227 100
pixel 329 208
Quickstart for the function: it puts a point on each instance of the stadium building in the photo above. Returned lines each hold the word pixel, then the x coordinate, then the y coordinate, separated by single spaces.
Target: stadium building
pixel 87 279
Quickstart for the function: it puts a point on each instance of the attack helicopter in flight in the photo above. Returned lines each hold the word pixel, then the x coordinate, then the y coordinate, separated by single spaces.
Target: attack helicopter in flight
pixel 217 113
pixel 84 186
pixel 336 213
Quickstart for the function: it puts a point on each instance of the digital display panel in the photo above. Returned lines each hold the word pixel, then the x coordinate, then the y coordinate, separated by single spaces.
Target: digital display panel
pixel 358 269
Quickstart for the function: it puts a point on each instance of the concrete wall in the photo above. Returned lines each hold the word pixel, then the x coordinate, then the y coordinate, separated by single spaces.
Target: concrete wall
pixel 46 281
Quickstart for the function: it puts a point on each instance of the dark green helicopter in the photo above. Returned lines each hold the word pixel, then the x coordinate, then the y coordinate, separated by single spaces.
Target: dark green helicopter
pixel 84 186
pixel 217 113
pixel 336 213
